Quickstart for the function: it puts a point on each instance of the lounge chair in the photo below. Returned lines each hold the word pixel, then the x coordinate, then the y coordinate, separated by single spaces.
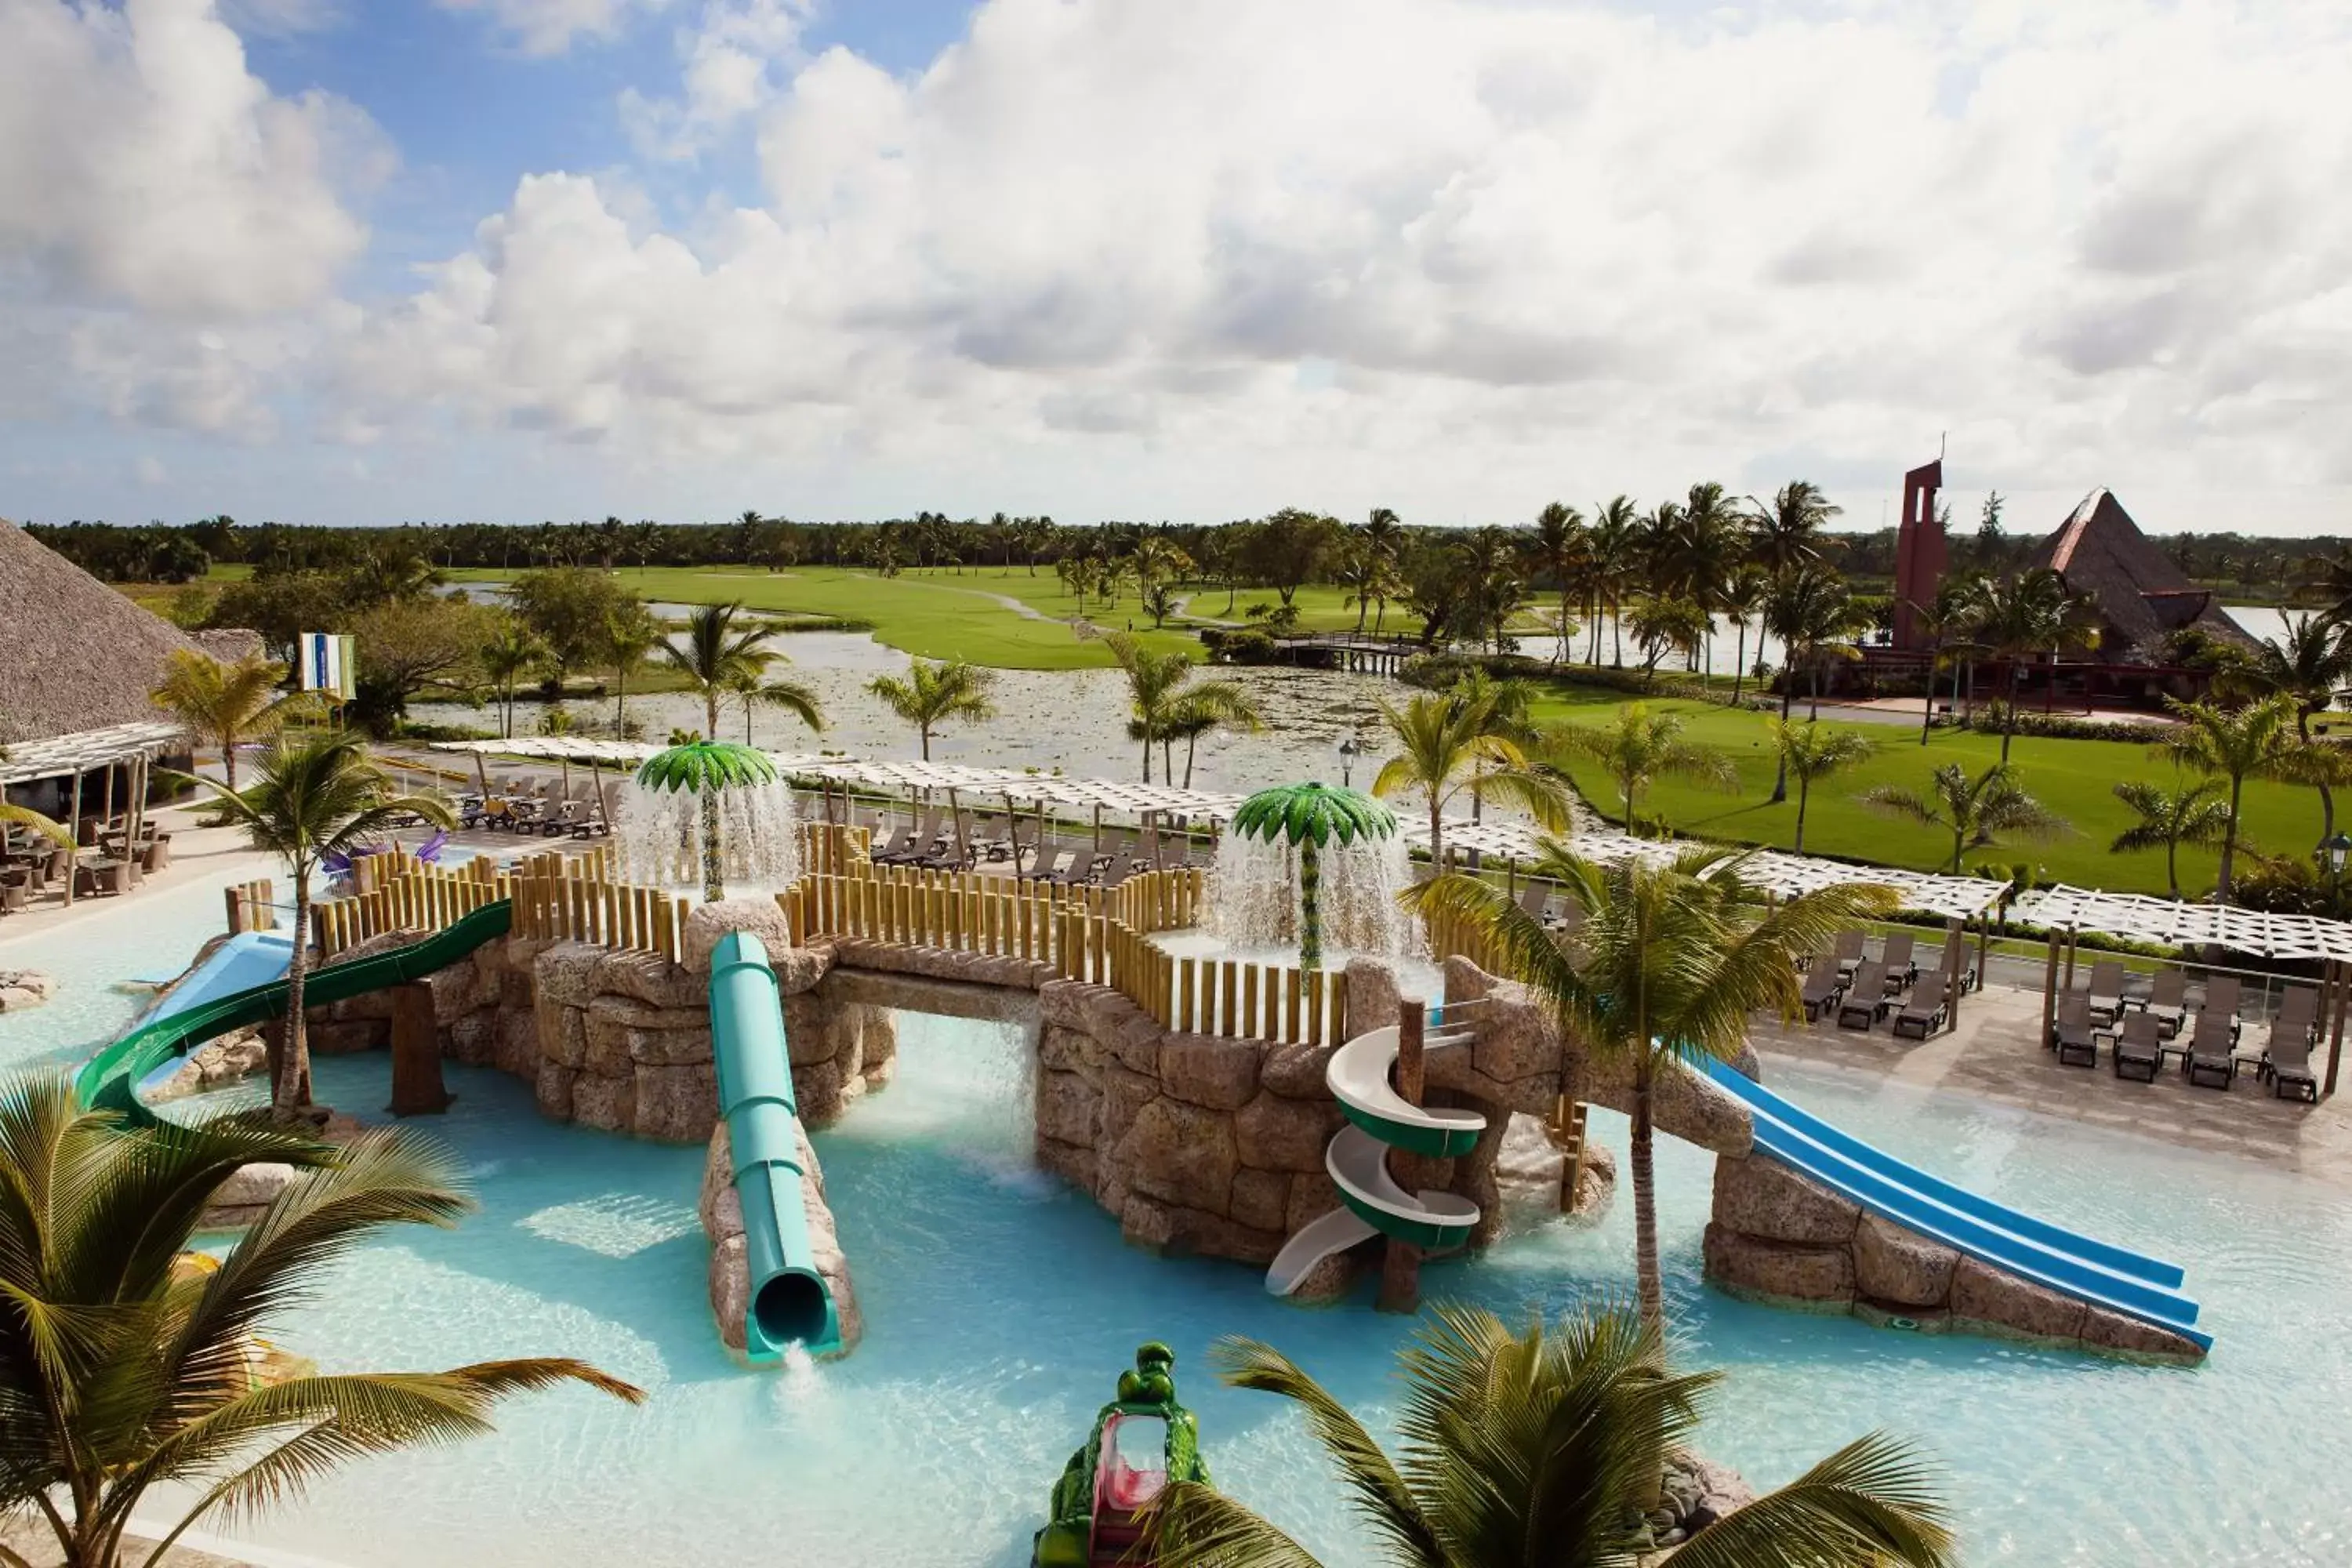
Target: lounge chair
pixel 2221 1000
pixel 1048 863
pixel 2298 1016
pixel 1902 969
pixel 902 841
pixel 2165 1003
pixel 1926 1013
pixel 1823 990
pixel 1847 954
pixel 2288 1064
pixel 1865 1004
pixel 2106 997
pixel 2075 1036
pixel 1532 900
pixel 2139 1050
pixel 2211 1062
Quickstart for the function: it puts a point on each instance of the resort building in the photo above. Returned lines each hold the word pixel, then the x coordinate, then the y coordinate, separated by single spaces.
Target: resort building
pixel 77 660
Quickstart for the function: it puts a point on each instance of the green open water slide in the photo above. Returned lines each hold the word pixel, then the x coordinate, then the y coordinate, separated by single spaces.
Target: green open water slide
pixel 789 1301
pixel 112 1078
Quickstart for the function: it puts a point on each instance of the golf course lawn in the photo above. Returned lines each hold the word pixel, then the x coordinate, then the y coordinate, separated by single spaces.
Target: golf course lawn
pixel 933 615
pixel 2074 778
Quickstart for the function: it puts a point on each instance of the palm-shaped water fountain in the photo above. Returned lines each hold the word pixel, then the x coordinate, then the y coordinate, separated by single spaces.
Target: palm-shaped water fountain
pixel 1307 858
pixel 712 808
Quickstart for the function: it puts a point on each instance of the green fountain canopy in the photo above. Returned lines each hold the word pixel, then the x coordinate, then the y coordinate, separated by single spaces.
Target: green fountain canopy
pixel 701 767
pixel 1315 813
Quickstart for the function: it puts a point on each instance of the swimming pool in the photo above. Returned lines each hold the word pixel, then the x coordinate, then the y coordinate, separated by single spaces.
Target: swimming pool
pixel 999 1308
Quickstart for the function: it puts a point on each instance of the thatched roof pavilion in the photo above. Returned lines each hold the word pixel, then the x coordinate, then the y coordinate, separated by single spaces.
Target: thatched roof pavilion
pixel 75 655
pixel 2142 595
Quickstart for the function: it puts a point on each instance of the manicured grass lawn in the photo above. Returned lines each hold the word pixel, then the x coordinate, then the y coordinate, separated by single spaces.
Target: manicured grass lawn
pixel 933 615
pixel 2074 778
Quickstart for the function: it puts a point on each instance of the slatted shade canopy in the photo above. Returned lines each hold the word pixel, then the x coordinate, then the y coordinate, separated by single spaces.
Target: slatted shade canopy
pixel 2141 918
pixel 63 756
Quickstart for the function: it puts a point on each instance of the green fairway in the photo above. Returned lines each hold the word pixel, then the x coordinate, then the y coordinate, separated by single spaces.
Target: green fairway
pixel 933 615
pixel 2074 778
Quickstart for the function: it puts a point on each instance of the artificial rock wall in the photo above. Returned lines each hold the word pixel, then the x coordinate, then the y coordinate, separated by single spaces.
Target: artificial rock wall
pixel 1779 1236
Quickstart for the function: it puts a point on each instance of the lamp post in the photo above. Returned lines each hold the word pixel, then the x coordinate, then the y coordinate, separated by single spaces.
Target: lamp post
pixel 2335 849
pixel 1349 751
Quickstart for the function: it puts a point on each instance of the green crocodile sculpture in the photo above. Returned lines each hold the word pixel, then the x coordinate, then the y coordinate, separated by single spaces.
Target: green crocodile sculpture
pixel 1142 1441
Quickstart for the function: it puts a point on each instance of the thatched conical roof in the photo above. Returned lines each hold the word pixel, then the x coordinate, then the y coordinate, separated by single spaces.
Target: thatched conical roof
pixel 2141 593
pixel 74 654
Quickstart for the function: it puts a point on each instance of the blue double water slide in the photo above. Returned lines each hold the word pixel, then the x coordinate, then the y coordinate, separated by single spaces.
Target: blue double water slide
pixel 2115 1277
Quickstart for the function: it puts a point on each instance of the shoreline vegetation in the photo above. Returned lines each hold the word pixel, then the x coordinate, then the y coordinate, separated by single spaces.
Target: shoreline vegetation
pixel 1625 606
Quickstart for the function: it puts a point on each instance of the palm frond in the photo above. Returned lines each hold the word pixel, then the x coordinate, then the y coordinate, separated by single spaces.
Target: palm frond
pixel 1196 1526
pixel 1870 1504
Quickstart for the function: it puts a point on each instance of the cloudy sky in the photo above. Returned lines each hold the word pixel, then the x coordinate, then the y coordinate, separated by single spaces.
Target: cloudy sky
pixel 363 260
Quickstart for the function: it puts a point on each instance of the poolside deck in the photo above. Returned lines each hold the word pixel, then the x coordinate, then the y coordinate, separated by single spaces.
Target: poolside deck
pixel 1996 1053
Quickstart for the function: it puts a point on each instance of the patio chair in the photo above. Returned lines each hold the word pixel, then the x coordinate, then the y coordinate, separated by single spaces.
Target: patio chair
pixel 890 854
pixel 1823 990
pixel 2106 997
pixel 2297 1016
pixel 2211 1062
pixel 1902 969
pixel 1533 897
pixel 103 876
pixel 2165 1001
pixel 2288 1064
pixel 2075 1036
pixel 1926 1013
pixel 2222 995
pixel 1847 953
pixel 1046 864
pixel 1866 1002
pixel 2139 1050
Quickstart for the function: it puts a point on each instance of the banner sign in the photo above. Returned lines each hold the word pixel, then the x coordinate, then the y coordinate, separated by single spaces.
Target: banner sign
pixel 330 664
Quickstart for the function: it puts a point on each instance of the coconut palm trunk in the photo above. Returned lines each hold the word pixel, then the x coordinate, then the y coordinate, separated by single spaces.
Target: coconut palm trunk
pixel 2230 840
pixel 714 876
pixel 290 1083
pixel 1645 1203
pixel 1310 904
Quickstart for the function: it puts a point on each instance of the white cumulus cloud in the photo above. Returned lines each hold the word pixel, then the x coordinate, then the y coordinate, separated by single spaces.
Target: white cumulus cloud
pixel 553 26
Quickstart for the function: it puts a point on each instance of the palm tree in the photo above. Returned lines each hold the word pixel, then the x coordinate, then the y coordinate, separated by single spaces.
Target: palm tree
pixel 1976 812
pixel 1545 1446
pixel 935 692
pixel 1808 608
pixel 130 1370
pixel 1616 531
pixel 2032 613
pixel 1556 545
pixel 796 699
pixel 1742 596
pixel 1810 753
pixel 1360 566
pixel 717 654
pixel 2169 819
pixel 316 796
pixel 2251 742
pixel 1205 707
pixel 2313 664
pixel 1946 620
pixel 228 704
pixel 1787 533
pixel 511 651
pixel 630 635
pixel 1448 746
pixel 1640 748
pixel 1154 684
pixel 1667 965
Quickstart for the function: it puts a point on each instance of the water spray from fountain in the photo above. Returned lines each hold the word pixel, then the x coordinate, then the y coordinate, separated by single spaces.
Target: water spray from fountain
pixel 712 812
pixel 1306 863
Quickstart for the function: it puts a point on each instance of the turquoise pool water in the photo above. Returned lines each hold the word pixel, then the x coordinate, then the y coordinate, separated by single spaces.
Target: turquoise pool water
pixel 1000 1308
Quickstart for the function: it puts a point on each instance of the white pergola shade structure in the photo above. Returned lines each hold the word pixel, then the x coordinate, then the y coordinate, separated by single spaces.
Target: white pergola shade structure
pixel 63 756
pixel 557 749
pixel 1030 789
pixel 1767 870
pixel 2141 918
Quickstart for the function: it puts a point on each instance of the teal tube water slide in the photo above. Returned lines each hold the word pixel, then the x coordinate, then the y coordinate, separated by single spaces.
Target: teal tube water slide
pixel 2073 1265
pixel 790 1302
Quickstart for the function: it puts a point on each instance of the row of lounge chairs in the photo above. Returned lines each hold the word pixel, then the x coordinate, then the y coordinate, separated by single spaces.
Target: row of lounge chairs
pixel 2147 1030
pixel 947 845
pixel 542 810
pixel 1857 992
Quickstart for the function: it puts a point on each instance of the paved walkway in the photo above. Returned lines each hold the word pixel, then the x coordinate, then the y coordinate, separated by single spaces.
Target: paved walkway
pixel 1996 1054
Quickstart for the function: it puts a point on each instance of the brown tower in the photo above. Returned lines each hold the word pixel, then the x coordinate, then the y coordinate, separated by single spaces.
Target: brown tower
pixel 1920 551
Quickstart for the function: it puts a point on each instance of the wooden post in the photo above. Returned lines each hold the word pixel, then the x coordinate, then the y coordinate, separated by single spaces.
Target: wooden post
pixel 2336 1035
pixel 1401 1261
pixel 416 1085
pixel 2050 989
pixel 1956 946
pixel 2073 939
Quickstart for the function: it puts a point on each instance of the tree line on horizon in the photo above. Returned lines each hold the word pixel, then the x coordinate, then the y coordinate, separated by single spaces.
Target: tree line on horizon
pixel 2247 565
